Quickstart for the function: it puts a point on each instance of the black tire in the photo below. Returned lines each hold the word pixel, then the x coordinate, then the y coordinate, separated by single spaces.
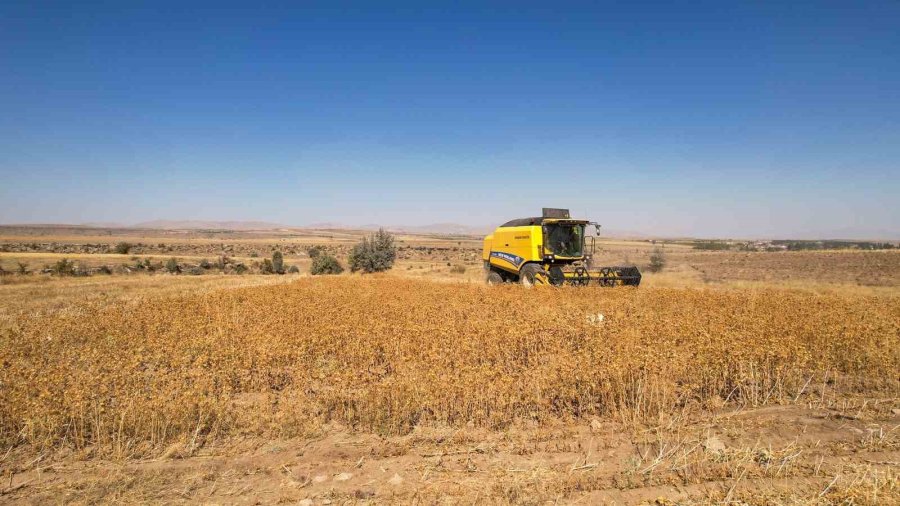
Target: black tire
pixel 494 278
pixel 527 275
pixel 557 278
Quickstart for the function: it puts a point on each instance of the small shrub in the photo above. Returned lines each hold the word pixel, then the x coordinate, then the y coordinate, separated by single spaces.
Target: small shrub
pixel 712 245
pixel 64 267
pixel 254 254
pixel 172 266
pixel 458 269
pixel 375 253
pixel 325 264
pixel 294 269
pixel 657 260
pixel 123 248
pixel 104 269
pixel 240 268
pixel 314 251
pixel 22 268
pixel 266 267
pixel 278 262
pixel 204 264
pixel 195 271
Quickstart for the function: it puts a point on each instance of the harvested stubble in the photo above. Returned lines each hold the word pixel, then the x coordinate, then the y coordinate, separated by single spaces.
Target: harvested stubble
pixel 385 354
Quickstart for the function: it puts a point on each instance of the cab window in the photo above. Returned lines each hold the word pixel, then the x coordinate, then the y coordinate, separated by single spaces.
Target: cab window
pixel 564 240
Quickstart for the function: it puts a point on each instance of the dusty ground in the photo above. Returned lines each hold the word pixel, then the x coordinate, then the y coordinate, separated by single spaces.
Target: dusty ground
pixel 806 453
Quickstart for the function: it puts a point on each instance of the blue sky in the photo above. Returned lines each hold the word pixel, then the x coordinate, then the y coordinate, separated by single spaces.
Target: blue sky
pixel 707 118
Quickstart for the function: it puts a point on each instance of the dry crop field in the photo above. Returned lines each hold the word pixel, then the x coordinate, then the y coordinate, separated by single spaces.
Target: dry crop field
pixel 731 388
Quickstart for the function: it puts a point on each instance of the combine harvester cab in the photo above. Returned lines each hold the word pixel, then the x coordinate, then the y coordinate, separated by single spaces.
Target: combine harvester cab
pixel 549 250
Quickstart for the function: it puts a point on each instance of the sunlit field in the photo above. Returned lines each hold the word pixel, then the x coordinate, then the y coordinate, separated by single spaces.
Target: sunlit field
pixel 167 371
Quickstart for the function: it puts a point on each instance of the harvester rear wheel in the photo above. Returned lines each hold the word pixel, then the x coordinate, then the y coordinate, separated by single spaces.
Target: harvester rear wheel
pixel 494 278
pixel 533 274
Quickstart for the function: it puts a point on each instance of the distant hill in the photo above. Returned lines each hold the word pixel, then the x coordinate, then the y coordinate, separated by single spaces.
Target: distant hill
pixel 208 225
pixel 434 228
pixel 330 225
pixel 449 229
pixel 458 229
pixel 104 224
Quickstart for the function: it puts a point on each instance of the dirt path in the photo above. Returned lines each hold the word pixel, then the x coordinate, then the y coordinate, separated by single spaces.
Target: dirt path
pixel 761 456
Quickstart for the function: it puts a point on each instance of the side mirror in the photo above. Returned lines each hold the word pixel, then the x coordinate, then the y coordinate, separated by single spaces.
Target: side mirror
pixel 597 229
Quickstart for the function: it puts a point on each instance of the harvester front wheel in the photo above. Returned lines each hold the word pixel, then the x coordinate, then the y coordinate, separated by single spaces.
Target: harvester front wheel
pixel 533 274
pixel 494 278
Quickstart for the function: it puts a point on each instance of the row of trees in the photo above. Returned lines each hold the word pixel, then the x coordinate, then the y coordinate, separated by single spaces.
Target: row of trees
pixel 374 253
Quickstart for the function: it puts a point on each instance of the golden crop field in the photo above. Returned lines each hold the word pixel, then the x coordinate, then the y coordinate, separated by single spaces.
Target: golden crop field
pixel 167 376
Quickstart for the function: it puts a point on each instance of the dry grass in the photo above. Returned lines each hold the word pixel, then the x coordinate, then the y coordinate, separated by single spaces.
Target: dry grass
pixel 133 377
pixel 39 296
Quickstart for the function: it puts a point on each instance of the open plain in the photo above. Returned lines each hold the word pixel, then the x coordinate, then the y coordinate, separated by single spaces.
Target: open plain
pixel 728 377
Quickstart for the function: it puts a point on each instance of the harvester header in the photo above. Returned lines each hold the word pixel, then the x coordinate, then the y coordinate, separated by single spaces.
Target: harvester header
pixel 549 250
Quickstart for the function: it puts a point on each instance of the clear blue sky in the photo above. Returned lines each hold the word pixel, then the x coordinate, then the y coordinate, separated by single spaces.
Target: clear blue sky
pixel 706 118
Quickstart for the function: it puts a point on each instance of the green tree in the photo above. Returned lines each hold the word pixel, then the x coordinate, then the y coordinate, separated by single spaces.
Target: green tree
pixel 657 260
pixel 278 262
pixel 374 253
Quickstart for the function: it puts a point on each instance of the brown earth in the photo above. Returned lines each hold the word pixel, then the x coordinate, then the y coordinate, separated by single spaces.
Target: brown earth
pixel 809 453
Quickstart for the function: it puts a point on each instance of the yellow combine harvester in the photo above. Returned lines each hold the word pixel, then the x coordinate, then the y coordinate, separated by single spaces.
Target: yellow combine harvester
pixel 549 250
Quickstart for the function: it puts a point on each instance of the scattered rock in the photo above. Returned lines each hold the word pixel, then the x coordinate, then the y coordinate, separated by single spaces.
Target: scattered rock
pixel 319 478
pixel 896 411
pixel 714 445
pixel 596 425
pixel 343 477
pixel 396 479
pixel 595 319
pixel 305 502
